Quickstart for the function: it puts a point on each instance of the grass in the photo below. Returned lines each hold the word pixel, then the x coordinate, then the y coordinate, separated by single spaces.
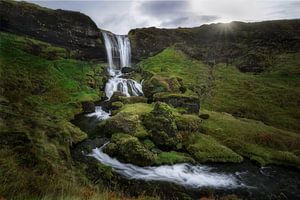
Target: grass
pixel 271 97
pixel 172 157
pixel 253 139
pixel 205 148
pixel 39 95
pixel 172 62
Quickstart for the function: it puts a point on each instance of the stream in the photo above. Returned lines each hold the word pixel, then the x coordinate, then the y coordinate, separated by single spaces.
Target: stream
pixel 246 179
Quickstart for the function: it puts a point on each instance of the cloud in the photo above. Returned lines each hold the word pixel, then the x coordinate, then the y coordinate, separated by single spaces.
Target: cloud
pixel 188 21
pixel 163 8
pixel 122 15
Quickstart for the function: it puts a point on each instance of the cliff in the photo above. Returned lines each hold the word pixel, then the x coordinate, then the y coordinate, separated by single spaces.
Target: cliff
pixel 251 46
pixel 68 29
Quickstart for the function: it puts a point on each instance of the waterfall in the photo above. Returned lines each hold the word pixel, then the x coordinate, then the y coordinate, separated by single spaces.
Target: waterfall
pixel 118 52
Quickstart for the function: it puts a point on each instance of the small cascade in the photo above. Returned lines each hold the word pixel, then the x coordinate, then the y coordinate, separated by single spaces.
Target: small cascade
pixel 118 52
pixel 99 113
pixel 194 176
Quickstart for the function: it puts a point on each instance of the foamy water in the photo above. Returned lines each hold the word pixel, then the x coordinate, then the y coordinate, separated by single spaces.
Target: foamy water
pixel 194 176
pixel 99 113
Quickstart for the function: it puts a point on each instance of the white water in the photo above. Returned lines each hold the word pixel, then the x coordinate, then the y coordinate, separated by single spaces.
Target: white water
pixel 118 55
pixel 183 174
pixel 99 113
pixel 118 52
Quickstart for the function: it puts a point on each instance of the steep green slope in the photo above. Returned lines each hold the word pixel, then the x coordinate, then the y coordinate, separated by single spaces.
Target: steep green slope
pixel 271 97
pixel 39 95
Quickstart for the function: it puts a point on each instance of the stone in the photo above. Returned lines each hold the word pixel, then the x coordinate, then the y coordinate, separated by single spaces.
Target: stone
pixel 129 149
pixel 189 102
pixel 204 116
pixel 126 70
pixel 88 106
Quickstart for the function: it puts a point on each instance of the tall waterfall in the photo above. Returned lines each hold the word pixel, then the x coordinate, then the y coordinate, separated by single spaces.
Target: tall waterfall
pixel 118 52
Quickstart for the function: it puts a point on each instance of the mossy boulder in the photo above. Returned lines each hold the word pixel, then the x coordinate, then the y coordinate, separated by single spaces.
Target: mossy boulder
pixel 129 149
pixel 123 123
pixel 76 135
pixel 189 123
pixel 189 102
pixel 205 148
pixel 158 83
pixel 162 126
pixel 117 105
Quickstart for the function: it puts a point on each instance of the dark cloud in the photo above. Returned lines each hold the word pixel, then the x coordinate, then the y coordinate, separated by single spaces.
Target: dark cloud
pixel 186 21
pixel 163 8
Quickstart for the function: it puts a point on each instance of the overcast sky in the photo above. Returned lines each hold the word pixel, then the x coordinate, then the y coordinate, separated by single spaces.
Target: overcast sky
pixel 123 15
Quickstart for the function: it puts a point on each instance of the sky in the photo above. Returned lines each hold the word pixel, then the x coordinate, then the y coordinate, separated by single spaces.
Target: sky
pixel 122 15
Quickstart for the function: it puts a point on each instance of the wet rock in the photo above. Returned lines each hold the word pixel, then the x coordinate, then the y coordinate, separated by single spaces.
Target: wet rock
pixel 88 106
pixel 133 99
pixel 126 70
pixel 157 84
pixel 190 103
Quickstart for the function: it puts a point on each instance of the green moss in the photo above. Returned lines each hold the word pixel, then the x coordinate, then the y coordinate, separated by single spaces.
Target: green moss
pixel 129 149
pixel 137 108
pixel 41 94
pixel 133 99
pixel 270 97
pixel 190 123
pixel 160 122
pixel 253 139
pixel 149 144
pixel 123 122
pixel 173 63
pixel 173 157
pixel 205 148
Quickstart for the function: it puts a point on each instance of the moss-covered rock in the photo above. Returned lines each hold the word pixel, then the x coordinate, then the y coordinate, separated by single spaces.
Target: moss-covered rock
pixel 158 83
pixel 205 148
pixel 189 102
pixel 124 123
pixel 116 105
pixel 161 123
pixel 129 149
pixel 76 135
pixel 190 123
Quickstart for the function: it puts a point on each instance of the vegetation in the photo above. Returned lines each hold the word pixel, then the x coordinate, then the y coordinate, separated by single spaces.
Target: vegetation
pixel 271 97
pixel 41 90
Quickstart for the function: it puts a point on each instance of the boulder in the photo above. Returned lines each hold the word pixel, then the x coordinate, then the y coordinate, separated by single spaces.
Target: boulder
pixel 126 70
pixel 123 123
pixel 204 116
pixel 133 99
pixel 88 106
pixel 157 84
pixel 161 124
pixel 129 149
pixel 189 102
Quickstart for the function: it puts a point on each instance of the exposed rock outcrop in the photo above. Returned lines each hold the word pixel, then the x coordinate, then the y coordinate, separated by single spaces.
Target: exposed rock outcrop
pixel 69 29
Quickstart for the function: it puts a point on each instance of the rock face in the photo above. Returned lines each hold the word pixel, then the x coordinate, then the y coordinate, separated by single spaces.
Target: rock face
pixel 226 43
pixel 72 30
